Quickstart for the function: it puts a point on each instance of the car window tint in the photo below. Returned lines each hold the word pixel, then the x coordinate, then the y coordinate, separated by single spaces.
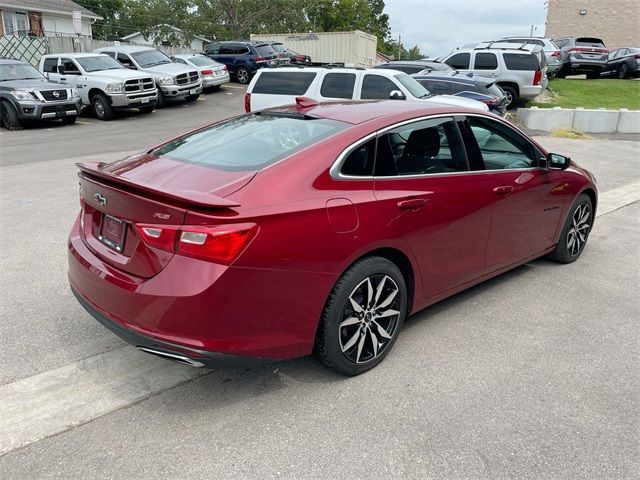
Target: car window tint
pixel 486 61
pixel 249 142
pixel 517 61
pixel 125 60
pixel 560 43
pixel 459 61
pixel 111 54
pixel 338 85
pixel 243 50
pixel 359 163
pixel 228 50
pixel 50 65
pixel 421 148
pixel 376 87
pixel 501 147
pixel 283 83
pixel 266 51
pixel 213 49
pixel 70 67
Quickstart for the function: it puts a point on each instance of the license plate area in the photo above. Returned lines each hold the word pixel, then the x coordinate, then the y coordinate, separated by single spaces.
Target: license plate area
pixel 193 91
pixel 112 232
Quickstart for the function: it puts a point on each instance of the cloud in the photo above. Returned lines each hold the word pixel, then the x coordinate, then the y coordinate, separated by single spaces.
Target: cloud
pixel 438 27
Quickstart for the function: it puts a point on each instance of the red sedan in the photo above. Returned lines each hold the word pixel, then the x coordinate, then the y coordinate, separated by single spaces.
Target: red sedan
pixel 315 228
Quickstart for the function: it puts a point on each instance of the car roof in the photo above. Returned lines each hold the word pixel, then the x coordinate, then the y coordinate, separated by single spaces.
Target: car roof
pixel 12 61
pixel 73 54
pixel 125 48
pixel 302 68
pixel 359 112
pixel 411 62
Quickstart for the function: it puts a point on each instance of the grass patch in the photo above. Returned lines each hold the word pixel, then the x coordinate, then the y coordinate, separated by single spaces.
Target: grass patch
pixel 568 133
pixel 602 93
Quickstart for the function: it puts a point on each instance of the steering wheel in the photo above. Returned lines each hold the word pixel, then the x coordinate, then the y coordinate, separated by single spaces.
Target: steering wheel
pixel 290 137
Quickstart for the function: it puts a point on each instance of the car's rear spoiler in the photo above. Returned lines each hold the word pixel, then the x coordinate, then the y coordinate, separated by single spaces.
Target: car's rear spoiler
pixel 199 199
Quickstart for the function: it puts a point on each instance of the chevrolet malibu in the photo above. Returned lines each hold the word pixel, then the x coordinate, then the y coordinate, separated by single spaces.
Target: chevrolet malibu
pixel 315 228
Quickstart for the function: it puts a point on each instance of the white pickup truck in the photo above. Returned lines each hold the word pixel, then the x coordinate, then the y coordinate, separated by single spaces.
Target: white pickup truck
pixel 103 83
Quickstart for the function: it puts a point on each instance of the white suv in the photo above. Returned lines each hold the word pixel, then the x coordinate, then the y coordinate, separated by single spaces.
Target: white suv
pixel 517 71
pixel 274 87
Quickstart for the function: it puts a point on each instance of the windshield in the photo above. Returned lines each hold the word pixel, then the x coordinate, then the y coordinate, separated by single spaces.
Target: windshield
pixel 18 71
pixel 249 142
pixel 150 58
pixel 97 63
pixel 202 61
pixel 412 85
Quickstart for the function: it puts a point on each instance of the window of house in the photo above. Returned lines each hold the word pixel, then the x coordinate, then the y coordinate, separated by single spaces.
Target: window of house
pixel 15 23
pixel 338 85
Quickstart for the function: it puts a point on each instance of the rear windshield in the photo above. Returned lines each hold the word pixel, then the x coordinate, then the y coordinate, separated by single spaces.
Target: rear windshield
pixel 202 61
pixel 249 142
pixel 278 47
pixel 590 42
pixel 517 61
pixel 266 51
pixel 284 83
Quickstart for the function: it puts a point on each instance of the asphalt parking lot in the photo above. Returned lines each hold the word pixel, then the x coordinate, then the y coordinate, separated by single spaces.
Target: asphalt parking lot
pixel 533 374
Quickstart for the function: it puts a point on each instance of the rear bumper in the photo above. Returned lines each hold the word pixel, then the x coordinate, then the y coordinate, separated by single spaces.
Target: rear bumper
pixel 214 81
pixel 531 91
pixel 176 91
pixel 583 66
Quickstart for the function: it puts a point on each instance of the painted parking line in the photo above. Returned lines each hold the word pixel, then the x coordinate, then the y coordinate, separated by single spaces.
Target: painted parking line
pixel 82 122
pixel 234 86
pixel 618 197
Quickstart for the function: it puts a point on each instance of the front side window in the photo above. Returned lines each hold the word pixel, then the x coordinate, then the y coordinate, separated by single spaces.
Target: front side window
pixel 499 146
pixel 50 65
pixel 486 61
pixel 421 148
pixel 283 83
pixel 70 68
pixel 338 85
pixel 377 87
pixel 125 60
pixel 213 49
pixel 460 61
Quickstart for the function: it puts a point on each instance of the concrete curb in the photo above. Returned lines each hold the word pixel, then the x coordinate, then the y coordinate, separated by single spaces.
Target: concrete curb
pixel 580 119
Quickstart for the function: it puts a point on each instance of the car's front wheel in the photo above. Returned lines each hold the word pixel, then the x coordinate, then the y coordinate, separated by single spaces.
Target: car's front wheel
pixel 102 107
pixel 9 116
pixel 575 232
pixel 362 317
pixel 243 75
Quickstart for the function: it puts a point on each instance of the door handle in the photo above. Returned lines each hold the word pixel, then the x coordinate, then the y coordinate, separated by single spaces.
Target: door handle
pixel 503 190
pixel 412 204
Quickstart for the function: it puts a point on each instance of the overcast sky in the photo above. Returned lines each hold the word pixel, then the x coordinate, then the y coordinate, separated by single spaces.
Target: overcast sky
pixel 439 26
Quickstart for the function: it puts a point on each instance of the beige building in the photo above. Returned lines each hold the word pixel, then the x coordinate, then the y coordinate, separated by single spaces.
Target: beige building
pixel 617 22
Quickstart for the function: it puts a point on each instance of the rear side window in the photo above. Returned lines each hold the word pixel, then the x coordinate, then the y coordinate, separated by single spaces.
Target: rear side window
pixel 243 50
pixel 486 61
pixel 459 61
pixel 377 87
pixel 228 50
pixel 284 83
pixel 516 61
pixel 338 85
pixel 249 142
pixel 50 65
pixel 359 163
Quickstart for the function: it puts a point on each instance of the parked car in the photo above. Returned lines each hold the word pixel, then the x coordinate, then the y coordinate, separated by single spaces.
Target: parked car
pixel 623 63
pixel 103 83
pixel 272 87
pixel 243 59
pixel 289 56
pixel 551 50
pixel 477 88
pixel 316 228
pixel 516 71
pixel 581 55
pixel 26 95
pixel 415 66
pixel 173 80
pixel 213 73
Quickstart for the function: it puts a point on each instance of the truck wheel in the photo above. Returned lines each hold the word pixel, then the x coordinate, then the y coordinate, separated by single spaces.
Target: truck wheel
pixel 69 120
pixel 243 75
pixel 9 117
pixel 147 109
pixel 102 107
pixel 161 102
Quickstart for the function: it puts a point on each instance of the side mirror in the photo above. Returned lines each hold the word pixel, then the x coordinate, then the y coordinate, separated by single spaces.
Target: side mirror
pixel 60 69
pixel 557 162
pixel 396 95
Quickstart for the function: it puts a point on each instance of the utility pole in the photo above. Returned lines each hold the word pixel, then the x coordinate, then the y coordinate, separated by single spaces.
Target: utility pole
pixel 399 46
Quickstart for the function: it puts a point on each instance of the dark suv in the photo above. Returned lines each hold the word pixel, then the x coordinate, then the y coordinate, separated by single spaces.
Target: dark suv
pixel 581 55
pixel 243 59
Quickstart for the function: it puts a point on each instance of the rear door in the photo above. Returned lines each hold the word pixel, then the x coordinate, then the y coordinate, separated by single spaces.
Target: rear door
pixel 528 198
pixel 425 189
pixel 486 64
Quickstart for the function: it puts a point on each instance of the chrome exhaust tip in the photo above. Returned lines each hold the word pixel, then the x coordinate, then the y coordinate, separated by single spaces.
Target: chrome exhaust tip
pixel 172 356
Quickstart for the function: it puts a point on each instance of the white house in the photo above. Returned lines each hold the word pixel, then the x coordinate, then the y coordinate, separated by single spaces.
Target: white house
pixel 175 39
pixel 50 18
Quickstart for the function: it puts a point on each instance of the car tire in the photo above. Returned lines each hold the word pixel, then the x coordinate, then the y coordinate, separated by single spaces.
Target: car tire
pixel 191 98
pixel 70 120
pixel 9 116
pixel 161 101
pixel 623 71
pixel 512 96
pixel 147 109
pixel 575 232
pixel 353 335
pixel 243 75
pixel 102 107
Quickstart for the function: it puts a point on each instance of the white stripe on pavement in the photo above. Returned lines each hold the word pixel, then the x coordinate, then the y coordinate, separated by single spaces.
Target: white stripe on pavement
pixel 60 399
pixel 618 197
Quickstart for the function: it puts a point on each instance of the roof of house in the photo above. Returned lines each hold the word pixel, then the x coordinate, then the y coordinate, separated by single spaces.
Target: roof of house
pixel 175 29
pixel 49 6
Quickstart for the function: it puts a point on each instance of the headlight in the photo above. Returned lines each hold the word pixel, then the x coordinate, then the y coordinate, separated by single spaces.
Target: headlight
pixel 113 87
pixel 165 80
pixel 21 95
pixel 75 93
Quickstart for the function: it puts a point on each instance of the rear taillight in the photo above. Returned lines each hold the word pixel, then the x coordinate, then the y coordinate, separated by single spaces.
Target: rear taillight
pixel 220 244
pixel 491 101
pixel 556 53
pixel 537 77
pixel 224 67
pixel 260 59
pixel 299 58
pixel 206 72
pixel 589 50
pixel 247 102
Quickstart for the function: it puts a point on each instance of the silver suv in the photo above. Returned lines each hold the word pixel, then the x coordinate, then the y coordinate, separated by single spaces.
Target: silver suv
pixel 517 71
pixel 173 80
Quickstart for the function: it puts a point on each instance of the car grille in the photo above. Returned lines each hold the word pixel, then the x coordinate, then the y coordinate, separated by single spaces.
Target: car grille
pixel 139 85
pixel 54 95
pixel 58 108
pixel 187 78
